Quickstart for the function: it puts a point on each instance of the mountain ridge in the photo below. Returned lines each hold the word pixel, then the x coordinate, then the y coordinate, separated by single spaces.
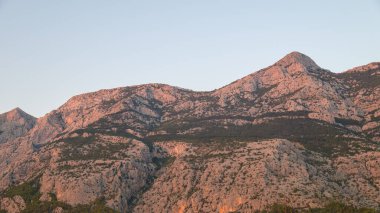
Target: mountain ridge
pixel 294 54
pixel 133 144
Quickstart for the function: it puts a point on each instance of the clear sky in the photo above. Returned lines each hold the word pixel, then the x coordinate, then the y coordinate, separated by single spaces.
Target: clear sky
pixel 51 50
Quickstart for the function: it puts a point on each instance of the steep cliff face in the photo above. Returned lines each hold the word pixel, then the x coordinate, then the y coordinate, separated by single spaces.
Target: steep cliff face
pixel 82 169
pixel 291 133
pixel 364 90
pixel 247 176
pixel 15 123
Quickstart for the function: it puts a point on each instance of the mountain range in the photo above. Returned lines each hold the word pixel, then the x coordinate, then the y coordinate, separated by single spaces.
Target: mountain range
pixel 292 133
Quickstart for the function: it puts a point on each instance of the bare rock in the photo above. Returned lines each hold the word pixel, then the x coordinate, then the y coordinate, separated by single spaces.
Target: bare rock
pixel 13 205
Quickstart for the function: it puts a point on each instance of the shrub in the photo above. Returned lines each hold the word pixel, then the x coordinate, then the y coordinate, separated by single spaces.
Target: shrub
pixel 331 207
pixel 29 191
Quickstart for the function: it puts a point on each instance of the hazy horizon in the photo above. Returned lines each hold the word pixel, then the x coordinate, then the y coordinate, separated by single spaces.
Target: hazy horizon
pixel 51 51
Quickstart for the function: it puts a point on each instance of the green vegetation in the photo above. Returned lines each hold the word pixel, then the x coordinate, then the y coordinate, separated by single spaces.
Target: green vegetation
pixel 272 129
pixel 91 148
pixel 345 122
pixel 98 206
pixel 282 99
pixel 315 135
pixel 332 207
pixel 365 80
pixel 279 208
pixel 29 191
pixel 160 163
pixel 78 141
pixel 94 152
pixel 336 207
pixel 263 90
pixel 163 162
pixel 302 113
pixel 107 126
pixel 118 131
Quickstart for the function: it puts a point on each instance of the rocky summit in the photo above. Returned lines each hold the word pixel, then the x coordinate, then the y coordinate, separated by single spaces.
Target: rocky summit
pixel 291 134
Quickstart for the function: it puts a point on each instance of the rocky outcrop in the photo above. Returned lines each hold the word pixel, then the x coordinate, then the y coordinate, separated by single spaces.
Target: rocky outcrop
pixel 295 83
pixel 291 133
pixel 13 205
pixel 364 90
pixel 80 171
pixel 15 123
pixel 249 176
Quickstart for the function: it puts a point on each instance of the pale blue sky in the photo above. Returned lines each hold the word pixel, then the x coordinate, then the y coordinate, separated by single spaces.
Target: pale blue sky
pixel 51 50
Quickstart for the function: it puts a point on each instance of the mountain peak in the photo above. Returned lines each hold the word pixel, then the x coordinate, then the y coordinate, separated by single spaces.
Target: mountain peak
pixel 16 110
pixel 15 123
pixel 297 58
pixel 16 113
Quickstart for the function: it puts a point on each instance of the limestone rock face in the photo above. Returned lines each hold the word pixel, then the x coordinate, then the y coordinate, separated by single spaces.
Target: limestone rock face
pixel 291 133
pixel 364 91
pixel 248 176
pixel 295 83
pixel 15 123
pixel 112 167
pixel 58 210
pixel 13 205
